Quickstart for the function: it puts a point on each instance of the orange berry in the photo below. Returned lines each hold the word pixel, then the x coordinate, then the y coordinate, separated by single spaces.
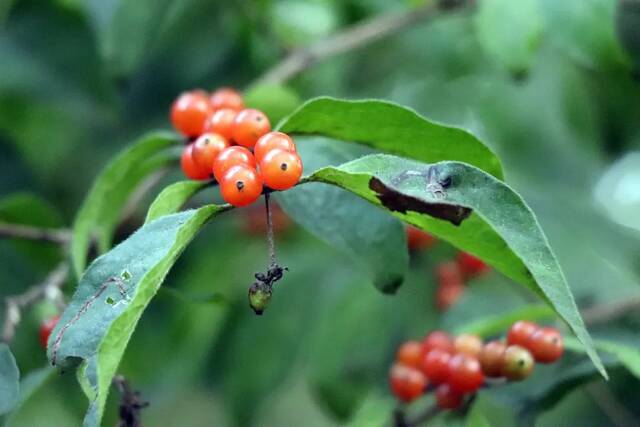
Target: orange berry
pixel 189 113
pixel 546 345
pixel 406 383
pixel 221 122
pixel 410 354
pixel 227 97
pixel 447 397
pixel 207 148
pixel 189 167
pixel 241 185
pixel 437 339
pixel 248 126
pixel 270 141
pixel 492 358
pixel 418 239
pixel 230 157
pixel 281 169
pixel 520 332
pixel 468 344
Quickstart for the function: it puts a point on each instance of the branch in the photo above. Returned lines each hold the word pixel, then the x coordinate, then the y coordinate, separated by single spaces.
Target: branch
pixel 606 312
pixel 47 289
pixel 352 38
pixel 19 231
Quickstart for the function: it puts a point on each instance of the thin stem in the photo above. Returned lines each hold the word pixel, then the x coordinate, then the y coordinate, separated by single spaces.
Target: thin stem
pixel 352 38
pixel 270 238
pixel 49 288
pixel 27 232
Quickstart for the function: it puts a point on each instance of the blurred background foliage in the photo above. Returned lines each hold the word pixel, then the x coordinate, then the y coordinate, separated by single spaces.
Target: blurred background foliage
pixel 552 86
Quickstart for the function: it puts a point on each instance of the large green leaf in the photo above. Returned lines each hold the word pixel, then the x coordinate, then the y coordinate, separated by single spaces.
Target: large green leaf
pixel 472 210
pixel 101 209
pixel 30 384
pixel 369 236
pixel 171 199
pixel 9 380
pixel 392 128
pixel 111 296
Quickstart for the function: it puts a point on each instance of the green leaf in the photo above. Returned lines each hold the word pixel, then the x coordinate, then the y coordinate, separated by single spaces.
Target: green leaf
pixel 29 385
pixel 369 236
pixel 276 101
pixel 390 127
pixel 9 380
pixel 111 296
pixel 101 208
pixel 472 210
pixel 627 354
pixel 509 31
pixel 375 411
pixel 172 198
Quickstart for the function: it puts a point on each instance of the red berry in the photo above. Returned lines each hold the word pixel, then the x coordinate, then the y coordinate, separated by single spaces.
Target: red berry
pixel 520 332
pixel 230 157
pixel 449 273
pixel 470 265
pixel 448 293
pixel 270 141
pixel 248 126
pixel 281 169
pixel 492 358
pixel 447 397
pixel 418 239
pixel 241 185
pixel 465 373
pixel 435 365
pixel 46 328
pixel 221 122
pixel 410 354
pixel 189 113
pixel 189 167
pixel 468 344
pixel 227 97
pixel 406 383
pixel 206 149
pixel 437 339
pixel 518 363
pixel 546 345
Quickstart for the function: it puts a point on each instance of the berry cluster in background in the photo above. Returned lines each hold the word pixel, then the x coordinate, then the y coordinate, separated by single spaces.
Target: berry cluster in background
pixel 451 276
pixel 457 367
pixel 234 145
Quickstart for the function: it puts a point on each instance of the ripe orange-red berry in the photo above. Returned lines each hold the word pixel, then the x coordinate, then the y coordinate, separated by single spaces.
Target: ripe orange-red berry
pixel 520 332
pixel 248 126
pixel 227 97
pixel 450 285
pixel 281 169
pixel 406 383
pixel 492 358
pixel 189 167
pixel 230 157
pixel 418 239
pixel 189 113
pixel 470 265
pixel 241 185
pixel 270 141
pixel 546 345
pixel 207 148
pixel 221 122
pixel 447 397
pixel 437 339
pixel 435 365
pixel 468 344
pixel 465 373
pixel 46 328
pixel 518 363
pixel 410 354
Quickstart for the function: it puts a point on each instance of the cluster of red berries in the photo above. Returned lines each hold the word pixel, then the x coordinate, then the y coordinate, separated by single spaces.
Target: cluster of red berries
pixel 214 123
pixel 46 328
pixel 455 367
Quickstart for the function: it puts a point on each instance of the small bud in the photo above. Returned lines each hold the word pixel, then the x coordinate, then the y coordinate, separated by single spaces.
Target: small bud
pixel 259 297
